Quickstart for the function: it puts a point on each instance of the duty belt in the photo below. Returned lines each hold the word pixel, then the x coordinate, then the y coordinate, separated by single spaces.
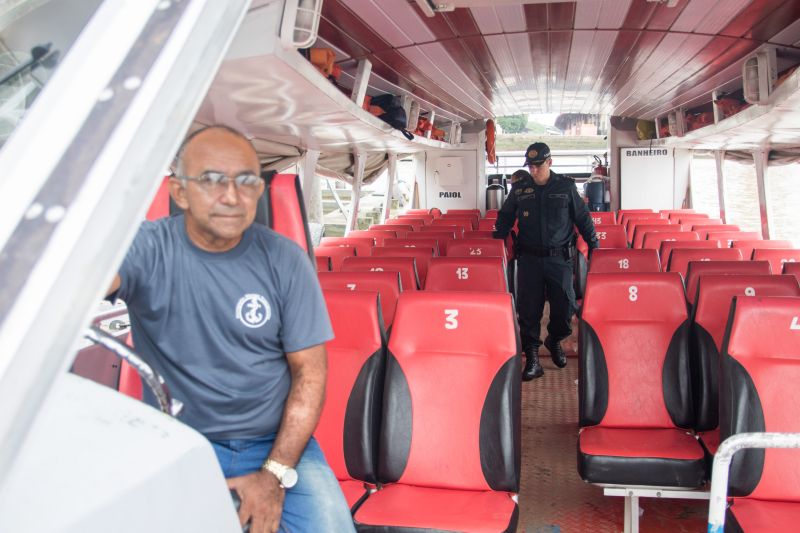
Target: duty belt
pixel 567 252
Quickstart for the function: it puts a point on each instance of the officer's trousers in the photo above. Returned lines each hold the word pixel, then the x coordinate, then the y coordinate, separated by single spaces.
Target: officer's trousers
pixel 539 278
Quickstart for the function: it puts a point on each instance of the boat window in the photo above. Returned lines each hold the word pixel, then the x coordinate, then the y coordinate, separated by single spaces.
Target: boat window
pixel 783 197
pixel 705 193
pixel 34 37
pixel 741 194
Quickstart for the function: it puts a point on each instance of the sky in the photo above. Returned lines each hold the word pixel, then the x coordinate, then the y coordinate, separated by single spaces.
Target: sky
pixel 545 119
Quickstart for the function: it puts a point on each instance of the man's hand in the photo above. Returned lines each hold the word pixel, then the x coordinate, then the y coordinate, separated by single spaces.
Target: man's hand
pixel 262 501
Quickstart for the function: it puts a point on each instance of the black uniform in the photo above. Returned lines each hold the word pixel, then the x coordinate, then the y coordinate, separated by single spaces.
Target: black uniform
pixel 546 250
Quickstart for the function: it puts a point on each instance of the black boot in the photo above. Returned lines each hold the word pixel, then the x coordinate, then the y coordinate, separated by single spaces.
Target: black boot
pixel 533 369
pixel 556 352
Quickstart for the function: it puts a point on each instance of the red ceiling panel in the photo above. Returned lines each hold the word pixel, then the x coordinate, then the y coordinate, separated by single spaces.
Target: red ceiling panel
pixel 560 43
pixel 664 17
pixel 561 16
pixel 549 27
pixel 752 14
pixel 536 17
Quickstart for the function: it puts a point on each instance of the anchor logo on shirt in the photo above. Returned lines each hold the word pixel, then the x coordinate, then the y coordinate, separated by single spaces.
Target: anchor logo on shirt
pixel 253 310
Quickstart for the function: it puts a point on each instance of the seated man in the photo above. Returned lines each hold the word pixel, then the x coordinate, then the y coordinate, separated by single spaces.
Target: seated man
pixel 231 314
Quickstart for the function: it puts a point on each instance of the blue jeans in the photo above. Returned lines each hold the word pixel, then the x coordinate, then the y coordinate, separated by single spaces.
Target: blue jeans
pixel 315 504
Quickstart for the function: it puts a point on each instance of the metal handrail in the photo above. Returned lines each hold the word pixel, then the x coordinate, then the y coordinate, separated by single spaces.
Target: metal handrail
pixel 722 463
pixel 150 377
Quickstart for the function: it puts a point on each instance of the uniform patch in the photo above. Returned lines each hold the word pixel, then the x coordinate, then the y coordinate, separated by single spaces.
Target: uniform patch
pixel 529 190
pixel 518 192
pixel 253 310
pixel 525 213
pixel 557 196
pixel 532 154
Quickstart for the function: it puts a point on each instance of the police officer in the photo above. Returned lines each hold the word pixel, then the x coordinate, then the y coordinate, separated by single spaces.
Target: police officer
pixel 546 206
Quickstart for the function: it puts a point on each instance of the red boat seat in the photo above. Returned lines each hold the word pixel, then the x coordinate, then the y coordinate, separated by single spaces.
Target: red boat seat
pixel 363 245
pixel 696 269
pixel 449 465
pixel 476 248
pixel 611 236
pixel 414 240
pixel 730 236
pixel 460 217
pixel 462 223
pixel 404 266
pixel 640 229
pixel 400 230
pixel 623 260
pixel 666 248
pixel 479 234
pixel 414 222
pixel 427 218
pixel 714 296
pixel 603 218
pixel 336 254
pixel 653 239
pixel 679 260
pixel 755 385
pixel 377 234
pixel 487 224
pixel 634 397
pixel 466 274
pixel 792 269
pixel 386 284
pixel 777 257
pixel 323 263
pixel 348 430
pixel 421 254
pixel 749 246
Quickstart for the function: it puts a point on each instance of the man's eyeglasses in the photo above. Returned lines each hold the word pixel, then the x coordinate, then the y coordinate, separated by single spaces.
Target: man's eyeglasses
pixel 217 182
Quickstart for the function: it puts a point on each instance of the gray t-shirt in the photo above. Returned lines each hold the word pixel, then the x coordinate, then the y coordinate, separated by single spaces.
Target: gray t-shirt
pixel 217 325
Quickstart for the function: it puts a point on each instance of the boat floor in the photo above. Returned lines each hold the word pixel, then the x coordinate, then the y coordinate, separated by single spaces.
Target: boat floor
pixel 553 498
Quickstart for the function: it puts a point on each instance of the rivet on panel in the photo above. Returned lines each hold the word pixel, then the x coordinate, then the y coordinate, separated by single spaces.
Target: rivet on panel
pixel 132 83
pixel 106 95
pixel 163 5
pixel 34 211
pixel 55 213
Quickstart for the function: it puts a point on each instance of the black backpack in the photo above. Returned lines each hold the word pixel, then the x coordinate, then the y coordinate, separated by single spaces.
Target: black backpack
pixel 394 114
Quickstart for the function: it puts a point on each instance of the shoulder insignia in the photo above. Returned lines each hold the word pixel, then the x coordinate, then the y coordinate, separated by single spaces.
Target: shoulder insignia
pixel 518 192
pixel 529 190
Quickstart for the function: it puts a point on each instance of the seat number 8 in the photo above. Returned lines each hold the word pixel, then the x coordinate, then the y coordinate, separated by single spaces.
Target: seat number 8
pixel 633 293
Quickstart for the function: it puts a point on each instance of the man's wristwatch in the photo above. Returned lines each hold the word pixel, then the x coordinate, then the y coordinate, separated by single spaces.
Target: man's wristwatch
pixel 287 476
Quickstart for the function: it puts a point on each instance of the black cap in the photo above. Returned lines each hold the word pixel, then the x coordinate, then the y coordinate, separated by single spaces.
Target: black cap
pixel 536 153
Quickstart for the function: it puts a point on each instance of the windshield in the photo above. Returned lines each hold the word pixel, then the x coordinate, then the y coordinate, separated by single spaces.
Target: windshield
pixel 34 37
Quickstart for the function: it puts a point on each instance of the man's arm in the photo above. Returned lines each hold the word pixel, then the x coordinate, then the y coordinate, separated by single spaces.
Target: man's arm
pixel 583 220
pixel 114 285
pixel 506 216
pixel 261 495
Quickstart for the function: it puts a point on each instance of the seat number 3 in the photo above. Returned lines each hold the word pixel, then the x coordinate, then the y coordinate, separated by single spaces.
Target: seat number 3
pixel 633 293
pixel 450 318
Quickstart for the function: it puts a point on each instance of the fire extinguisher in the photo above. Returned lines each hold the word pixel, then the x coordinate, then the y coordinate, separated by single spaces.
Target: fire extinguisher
pixel 601 169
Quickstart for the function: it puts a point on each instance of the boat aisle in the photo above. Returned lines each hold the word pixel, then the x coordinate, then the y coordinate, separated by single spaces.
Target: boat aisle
pixel 553 498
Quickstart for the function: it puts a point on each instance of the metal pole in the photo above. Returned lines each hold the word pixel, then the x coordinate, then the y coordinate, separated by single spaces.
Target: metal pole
pixel 312 193
pixel 719 158
pixel 358 178
pixel 121 110
pixel 722 464
pixel 761 161
pixel 391 179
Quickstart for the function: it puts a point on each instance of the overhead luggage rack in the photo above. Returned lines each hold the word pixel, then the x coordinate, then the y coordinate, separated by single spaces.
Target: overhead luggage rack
pixel 261 80
pixel 775 123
